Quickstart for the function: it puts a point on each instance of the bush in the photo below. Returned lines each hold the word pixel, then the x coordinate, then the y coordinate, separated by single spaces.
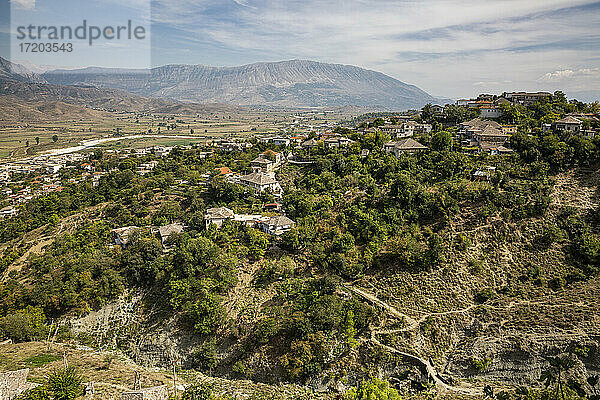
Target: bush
pixel 198 392
pixel 25 325
pixel 61 384
pixel 205 356
pixel 479 364
pixel 373 389
pixel 485 295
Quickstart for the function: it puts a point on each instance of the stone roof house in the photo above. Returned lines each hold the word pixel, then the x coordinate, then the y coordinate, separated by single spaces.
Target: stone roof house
pixel 166 231
pixel 262 164
pixel 260 181
pixel 217 216
pixel 407 145
pixel 277 225
pixel 568 124
pixel 309 144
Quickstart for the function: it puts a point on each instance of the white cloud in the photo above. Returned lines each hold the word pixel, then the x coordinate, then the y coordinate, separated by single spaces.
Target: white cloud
pixel 441 45
pixel 24 4
pixel 565 74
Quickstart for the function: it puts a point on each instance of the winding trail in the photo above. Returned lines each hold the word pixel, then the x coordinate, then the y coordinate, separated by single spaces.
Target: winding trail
pixel 413 324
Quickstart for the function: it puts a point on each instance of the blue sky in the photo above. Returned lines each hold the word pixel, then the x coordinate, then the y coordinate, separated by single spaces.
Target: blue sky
pixel 451 48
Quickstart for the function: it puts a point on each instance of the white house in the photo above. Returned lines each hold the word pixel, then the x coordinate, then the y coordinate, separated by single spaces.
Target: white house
pixel 490 112
pixel 407 145
pixel 568 124
pixel 260 181
pixel 277 225
pixel 217 216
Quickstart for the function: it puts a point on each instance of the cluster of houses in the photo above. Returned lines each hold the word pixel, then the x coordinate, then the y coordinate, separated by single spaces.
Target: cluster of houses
pixel 486 135
pixel 122 236
pixel 489 105
pixel 573 124
pixel 262 177
pixel 328 140
pixel 274 225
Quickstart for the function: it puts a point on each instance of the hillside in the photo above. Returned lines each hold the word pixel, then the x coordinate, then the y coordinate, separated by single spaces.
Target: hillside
pixel 16 72
pixel 111 373
pixel 293 83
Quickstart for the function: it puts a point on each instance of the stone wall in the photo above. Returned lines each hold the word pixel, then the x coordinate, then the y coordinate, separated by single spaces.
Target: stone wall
pixel 13 383
pixel 153 393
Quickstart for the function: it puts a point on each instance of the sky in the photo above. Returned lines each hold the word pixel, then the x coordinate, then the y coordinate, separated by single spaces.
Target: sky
pixel 450 48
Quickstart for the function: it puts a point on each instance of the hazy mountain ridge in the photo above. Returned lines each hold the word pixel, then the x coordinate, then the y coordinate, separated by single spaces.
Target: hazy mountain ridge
pixel 17 72
pixel 293 83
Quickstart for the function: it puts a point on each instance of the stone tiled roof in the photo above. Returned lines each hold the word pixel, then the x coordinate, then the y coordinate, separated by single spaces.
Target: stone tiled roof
pixel 407 144
pixel 219 212
pixel 568 120
pixel 478 123
pixel 168 230
pixel 280 220
pixel 258 178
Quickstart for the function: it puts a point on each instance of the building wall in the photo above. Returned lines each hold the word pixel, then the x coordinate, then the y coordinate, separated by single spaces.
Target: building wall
pixel 13 383
pixel 154 393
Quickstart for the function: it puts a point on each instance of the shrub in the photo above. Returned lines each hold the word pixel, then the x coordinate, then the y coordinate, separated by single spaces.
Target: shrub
pixel 198 392
pixel 373 389
pixel 25 325
pixel 205 356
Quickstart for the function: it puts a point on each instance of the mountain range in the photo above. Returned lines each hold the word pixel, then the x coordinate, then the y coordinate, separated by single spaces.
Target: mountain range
pixel 295 83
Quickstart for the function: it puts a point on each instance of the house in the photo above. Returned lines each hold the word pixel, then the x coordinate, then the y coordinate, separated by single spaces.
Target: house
pixel 260 181
pixel 437 109
pixel 248 219
pixel 277 225
pixel 121 236
pixel 528 98
pixel 483 174
pixel 397 131
pixel 261 164
pixel 408 145
pixel 337 141
pixel 494 149
pixel 509 129
pixel 281 141
pixel 589 133
pixel 469 128
pixel 53 168
pixel 217 216
pixel 8 212
pixel 166 231
pixel 146 168
pixel 490 111
pixel 309 144
pixel 568 124
pixel 490 135
pixel 272 155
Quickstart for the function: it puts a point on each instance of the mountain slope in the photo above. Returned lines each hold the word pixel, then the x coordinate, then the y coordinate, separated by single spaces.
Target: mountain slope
pixel 27 91
pixel 16 72
pixel 286 83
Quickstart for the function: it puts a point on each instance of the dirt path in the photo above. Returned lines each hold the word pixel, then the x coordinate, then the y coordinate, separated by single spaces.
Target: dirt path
pixel 431 372
pixel 411 322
